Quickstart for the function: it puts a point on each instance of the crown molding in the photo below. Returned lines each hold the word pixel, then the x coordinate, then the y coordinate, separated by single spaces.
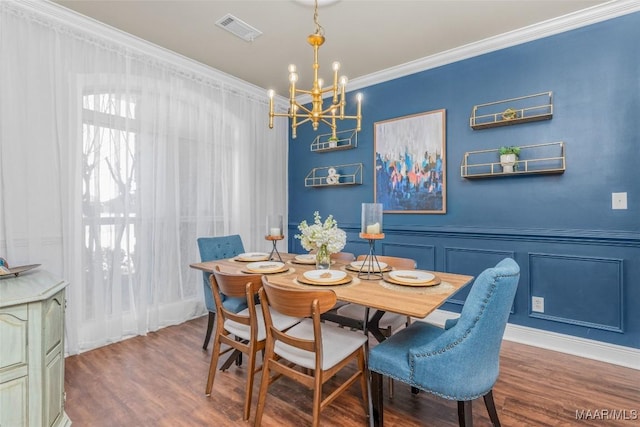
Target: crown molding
pixel 57 13
pixel 592 15
pixel 548 28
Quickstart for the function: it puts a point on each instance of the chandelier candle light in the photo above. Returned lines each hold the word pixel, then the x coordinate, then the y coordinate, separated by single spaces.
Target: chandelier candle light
pixel 300 114
pixel 371 230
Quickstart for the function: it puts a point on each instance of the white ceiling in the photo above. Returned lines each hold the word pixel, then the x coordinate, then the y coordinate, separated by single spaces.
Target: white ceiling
pixel 365 36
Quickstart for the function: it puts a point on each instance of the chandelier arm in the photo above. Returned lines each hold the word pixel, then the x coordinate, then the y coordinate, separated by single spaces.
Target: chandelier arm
pixel 280 114
pixel 331 108
pixel 328 89
pixel 323 120
pixel 308 119
pixel 307 92
pixel 303 108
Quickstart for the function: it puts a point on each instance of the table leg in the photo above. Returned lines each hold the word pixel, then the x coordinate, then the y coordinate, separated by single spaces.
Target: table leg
pixel 373 325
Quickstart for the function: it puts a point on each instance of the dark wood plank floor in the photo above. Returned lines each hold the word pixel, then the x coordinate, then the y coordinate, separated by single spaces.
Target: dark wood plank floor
pixel 159 380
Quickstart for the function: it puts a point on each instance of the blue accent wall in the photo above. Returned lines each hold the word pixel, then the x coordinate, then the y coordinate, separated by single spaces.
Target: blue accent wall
pixel 573 249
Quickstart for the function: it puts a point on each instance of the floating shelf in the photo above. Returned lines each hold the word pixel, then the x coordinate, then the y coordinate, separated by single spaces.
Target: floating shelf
pixel 547 158
pixel 350 174
pixel 347 139
pixel 530 108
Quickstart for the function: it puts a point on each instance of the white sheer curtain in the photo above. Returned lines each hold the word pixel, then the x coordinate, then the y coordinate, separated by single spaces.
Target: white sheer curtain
pixel 113 161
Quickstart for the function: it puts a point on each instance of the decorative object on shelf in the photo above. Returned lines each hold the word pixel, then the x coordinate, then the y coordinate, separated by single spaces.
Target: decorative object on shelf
pixel 349 174
pixel 509 114
pixel 345 139
pixel 324 237
pixel 333 177
pixel 545 158
pixel 371 229
pixel 509 158
pixel 529 108
pixel 300 114
pixel 410 156
pixel 274 234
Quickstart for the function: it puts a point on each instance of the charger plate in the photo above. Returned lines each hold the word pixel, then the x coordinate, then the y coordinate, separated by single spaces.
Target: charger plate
pixel 304 259
pixel 265 267
pixel 15 271
pixel 309 259
pixel 356 265
pixel 252 257
pixel 415 278
pixel 313 277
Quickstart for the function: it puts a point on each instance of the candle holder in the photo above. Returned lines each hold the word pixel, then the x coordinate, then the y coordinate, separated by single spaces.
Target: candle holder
pixel 371 260
pixel 274 250
pixel 371 230
pixel 274 233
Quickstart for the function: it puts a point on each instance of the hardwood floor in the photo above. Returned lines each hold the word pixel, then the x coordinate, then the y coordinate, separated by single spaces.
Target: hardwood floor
pixel 159 380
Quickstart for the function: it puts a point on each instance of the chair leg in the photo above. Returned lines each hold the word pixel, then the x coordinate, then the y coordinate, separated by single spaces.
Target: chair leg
pixel 215 355
pixel 364 381
pixel 317 399
pixel 491 408
pixel 207 337
pixel 376 399
pixel 249 391
pixel 264 385
pixel 465 416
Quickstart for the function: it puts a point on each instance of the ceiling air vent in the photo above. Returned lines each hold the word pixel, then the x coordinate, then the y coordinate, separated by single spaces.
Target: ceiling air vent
pixel 238 27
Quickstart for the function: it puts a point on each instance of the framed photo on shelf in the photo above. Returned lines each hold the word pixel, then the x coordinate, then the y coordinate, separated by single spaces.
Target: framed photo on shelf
pixel 410 163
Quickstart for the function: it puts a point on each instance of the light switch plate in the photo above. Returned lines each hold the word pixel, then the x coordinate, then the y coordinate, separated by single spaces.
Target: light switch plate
pixel 618 200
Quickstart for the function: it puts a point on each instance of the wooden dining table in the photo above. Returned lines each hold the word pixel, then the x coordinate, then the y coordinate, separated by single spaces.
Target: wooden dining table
pixel 375 293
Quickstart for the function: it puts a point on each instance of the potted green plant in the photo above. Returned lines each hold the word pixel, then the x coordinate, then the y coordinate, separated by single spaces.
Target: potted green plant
pixel 509 158
pixel 333 142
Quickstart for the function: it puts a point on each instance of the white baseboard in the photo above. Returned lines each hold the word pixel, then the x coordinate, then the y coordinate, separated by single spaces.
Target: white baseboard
pixel 590 349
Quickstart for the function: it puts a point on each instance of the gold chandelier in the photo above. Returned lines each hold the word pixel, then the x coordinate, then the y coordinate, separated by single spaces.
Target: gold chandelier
pixel 300 114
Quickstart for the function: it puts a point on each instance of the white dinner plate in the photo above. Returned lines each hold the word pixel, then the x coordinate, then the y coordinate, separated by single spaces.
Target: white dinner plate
pixel 324 276
pixel 411 276
pixel 359 264
pixel 265 266
pixel 306 259
pixel 253 256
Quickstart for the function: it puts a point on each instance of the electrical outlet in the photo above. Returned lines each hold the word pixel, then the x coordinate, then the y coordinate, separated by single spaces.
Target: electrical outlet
pixel 537 304
pixel 618 200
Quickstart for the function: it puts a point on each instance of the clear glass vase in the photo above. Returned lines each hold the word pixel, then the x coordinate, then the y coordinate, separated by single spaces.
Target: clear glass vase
pixel 323 258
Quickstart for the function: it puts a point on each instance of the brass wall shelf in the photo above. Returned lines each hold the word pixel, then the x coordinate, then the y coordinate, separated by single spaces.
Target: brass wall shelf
pixel 347 139
pixel 547 158
pixel 334 176
pixel 524 109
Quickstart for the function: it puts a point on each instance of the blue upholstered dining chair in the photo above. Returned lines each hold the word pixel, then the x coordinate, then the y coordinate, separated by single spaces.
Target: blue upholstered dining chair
pixel 211 249
pixel 459 362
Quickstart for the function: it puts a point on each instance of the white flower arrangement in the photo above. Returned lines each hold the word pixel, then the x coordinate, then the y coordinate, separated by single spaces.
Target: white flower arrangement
pixel 320 234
